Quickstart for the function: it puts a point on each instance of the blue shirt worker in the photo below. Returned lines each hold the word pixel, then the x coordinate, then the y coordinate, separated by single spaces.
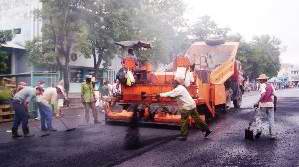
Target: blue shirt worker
pixel 187 107
pixel 20 106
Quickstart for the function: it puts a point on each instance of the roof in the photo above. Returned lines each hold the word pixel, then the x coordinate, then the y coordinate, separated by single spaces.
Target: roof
pixel 11 44
pixel 133 44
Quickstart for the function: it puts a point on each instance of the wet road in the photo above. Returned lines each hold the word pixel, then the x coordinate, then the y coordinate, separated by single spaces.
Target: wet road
pixel 102 145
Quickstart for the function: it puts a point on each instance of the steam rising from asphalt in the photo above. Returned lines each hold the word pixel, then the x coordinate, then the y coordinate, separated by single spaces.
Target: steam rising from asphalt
pixel 132 138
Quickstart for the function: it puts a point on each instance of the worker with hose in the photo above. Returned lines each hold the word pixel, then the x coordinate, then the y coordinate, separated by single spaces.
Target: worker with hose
pixel 267 103
pixel 187 107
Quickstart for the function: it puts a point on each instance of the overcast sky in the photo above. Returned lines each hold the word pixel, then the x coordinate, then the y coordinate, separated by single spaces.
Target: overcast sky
pixel 255 17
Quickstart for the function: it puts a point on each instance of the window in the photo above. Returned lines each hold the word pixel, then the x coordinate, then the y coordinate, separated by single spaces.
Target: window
pixel 17 31
pixel 76 76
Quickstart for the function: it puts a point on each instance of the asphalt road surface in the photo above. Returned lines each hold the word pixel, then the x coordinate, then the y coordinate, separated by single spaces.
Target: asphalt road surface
pixel 103 145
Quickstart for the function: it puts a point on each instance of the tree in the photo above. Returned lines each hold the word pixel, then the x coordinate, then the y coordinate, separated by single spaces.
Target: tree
pixel 153 21
pixel 62 34
pixel 4 37
pixel 107 21
pixel 39 52
pixel 261 55
pixel 205 28
pixel 161 23
pixel 267 49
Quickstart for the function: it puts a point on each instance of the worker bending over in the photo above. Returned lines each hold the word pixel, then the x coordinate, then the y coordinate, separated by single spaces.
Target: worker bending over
pixel 20 106
pixel 187 107
pixel 47 102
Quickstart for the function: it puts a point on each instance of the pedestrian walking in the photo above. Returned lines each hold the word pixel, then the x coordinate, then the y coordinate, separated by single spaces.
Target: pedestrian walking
pixel 88 99
pixel 187 107
pixel 20 106
pixel 267 105
pixel 105 92
pixel 48 105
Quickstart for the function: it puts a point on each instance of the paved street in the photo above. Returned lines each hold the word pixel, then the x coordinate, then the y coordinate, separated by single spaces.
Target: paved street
pixel 102 145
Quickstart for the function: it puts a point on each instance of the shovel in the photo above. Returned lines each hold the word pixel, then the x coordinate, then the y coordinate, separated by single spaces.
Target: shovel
pixel 66 127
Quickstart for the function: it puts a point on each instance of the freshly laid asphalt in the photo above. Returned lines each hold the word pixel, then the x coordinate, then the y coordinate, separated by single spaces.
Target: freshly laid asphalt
pixel 103 145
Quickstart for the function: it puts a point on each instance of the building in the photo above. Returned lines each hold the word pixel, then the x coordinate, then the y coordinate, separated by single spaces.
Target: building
pixel 289 71
pixel 17 16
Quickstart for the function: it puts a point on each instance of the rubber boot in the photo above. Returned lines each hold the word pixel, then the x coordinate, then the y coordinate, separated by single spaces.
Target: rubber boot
pixel 258 134
pixel 208 132
pixel 27 133
pixel 14 133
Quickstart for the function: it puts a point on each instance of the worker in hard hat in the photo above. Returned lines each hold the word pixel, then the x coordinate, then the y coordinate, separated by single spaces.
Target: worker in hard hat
pixel 88 99
pixel 187 107
pixel 267 104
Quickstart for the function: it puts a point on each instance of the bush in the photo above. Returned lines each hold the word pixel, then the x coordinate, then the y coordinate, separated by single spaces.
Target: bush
pixel 5 94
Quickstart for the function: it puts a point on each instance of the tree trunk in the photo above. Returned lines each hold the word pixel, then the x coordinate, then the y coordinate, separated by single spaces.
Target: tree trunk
pixel 66 79
pixel 97 60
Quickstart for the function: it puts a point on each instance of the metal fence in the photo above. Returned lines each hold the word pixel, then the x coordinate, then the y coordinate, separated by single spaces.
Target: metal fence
pixel 50 78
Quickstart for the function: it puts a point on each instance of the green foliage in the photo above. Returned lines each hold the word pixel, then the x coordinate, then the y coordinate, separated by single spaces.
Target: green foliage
pixel 38 52
pixel 206 28
pixel 5 36
pixel 5 94
pixel 261 55
pixel 152 21
pixel 92 26
pixel 63 34
pixel 3 59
